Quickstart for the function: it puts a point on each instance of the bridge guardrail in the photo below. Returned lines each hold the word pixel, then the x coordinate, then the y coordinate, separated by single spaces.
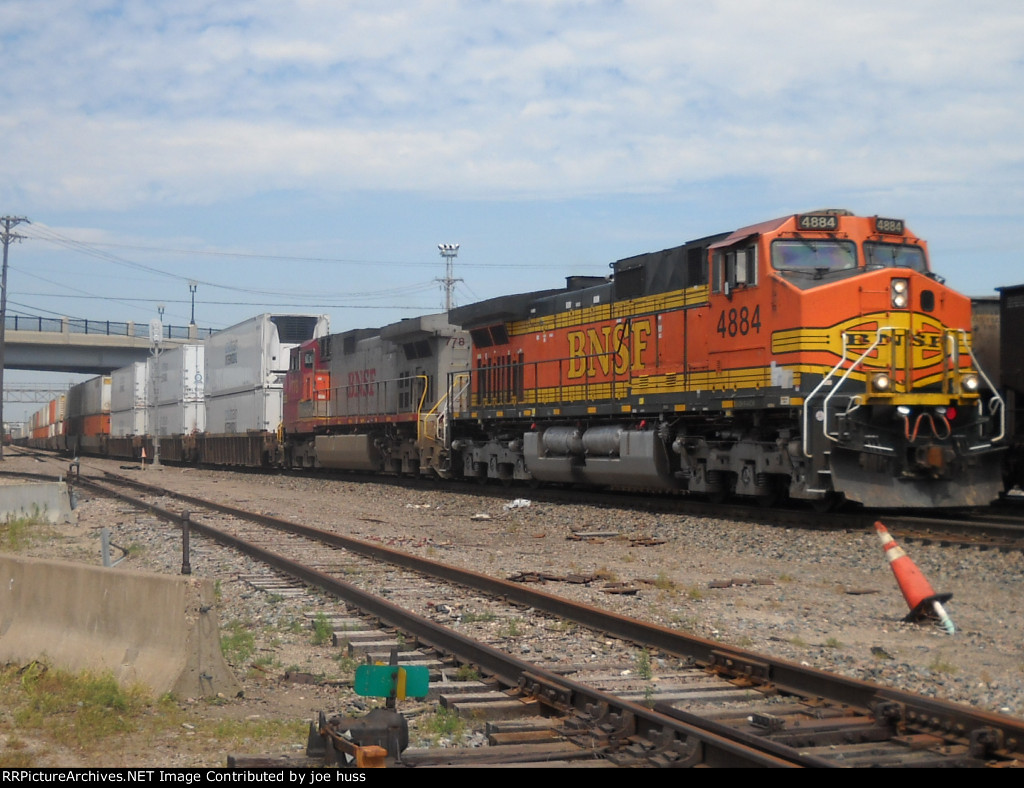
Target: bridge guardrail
pixel 65 325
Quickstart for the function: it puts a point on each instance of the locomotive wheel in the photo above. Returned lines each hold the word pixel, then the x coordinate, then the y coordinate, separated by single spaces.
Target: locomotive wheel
pixel 768 499
pixel 829 503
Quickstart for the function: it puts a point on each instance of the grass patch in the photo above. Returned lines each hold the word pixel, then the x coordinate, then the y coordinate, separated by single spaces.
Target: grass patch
pixel 942 665
pixel 237 643
pixel 476 618
pixel 442 724
pixel 467 673
pixel 79 709
pixel 322 630
pixel 21 533
pixel 512 628
pixel 642 665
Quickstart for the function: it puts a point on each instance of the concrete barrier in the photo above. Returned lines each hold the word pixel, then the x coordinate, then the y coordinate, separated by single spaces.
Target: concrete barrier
pixel 40 500
pixel 157 630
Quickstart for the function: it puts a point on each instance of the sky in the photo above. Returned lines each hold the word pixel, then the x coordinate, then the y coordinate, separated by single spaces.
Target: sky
pixel 309 156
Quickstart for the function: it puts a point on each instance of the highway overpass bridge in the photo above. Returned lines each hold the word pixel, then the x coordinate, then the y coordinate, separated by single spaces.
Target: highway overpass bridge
pixel 92 347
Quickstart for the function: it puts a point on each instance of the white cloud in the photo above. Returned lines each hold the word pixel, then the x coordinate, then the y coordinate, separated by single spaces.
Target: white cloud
pixel 117 104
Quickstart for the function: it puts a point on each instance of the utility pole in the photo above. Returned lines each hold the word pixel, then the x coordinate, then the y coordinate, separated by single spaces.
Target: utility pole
pixel 6 236
pixel 449 252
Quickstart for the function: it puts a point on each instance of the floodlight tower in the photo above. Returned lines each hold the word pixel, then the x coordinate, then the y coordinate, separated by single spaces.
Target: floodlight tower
pixel 156 339
pixel 449 252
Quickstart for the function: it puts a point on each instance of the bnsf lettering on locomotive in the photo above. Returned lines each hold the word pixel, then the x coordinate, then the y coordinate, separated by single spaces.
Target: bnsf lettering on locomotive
pixel 920 339
pixel 360 383
pixel 612 349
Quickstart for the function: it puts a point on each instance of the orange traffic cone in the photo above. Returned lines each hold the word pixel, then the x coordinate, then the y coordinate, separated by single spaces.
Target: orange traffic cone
pixel 143 458
pixel 916 589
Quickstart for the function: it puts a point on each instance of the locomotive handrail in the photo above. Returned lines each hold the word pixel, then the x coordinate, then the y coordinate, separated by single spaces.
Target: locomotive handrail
pixel 435 411
pixel 828 377
pixel 952 336
pixel 997 401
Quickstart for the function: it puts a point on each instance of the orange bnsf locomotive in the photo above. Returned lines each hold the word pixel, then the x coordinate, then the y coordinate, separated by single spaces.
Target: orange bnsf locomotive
pixel 813 356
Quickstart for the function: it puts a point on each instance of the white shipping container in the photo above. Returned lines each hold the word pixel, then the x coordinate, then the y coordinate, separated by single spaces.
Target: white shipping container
pixel 128 422
pixel 90 398
pixel 128 391
pixel 180 375
pixel 256 409
pixel 181 418
pixel 255 354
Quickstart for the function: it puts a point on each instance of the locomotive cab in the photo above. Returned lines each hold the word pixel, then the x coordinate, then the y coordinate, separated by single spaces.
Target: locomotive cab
pixel 905 416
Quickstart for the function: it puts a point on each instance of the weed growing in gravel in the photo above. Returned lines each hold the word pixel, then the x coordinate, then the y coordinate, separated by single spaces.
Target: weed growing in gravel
pixel 80 709
pixel 512 628
pixel 664 583
pixel 347 664
pixel 238 734
pixel 322 630
pixel 22 532
pixel 642 665
pixel 832 643
pixel 443 723
pixel 941 665
pixel 467 673
pixel 237 643
pixel 475 618
pixel 695 593
pixel 798 641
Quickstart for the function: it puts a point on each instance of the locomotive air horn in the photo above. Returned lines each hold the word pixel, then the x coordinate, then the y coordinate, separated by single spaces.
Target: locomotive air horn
pixel 915 587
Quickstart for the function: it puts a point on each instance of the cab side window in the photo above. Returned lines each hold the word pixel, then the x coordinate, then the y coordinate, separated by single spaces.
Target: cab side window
pixel 733 267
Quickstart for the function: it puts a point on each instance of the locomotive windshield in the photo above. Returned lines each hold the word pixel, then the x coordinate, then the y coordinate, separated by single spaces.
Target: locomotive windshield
pixel 813 255
pixel 894 256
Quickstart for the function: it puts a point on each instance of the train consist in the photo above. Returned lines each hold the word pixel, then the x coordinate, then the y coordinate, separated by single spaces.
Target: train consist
pixel 815 357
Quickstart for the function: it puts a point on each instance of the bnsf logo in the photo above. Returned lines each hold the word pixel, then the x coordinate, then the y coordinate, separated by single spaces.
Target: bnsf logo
pixel 611 349
pixel 360 383
pixel 920 339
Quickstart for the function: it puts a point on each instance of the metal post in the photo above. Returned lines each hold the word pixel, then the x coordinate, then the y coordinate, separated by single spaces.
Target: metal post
pixel 186 519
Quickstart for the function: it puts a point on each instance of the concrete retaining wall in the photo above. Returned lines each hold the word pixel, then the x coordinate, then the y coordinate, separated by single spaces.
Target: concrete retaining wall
pixel 157 630
pixel 44 500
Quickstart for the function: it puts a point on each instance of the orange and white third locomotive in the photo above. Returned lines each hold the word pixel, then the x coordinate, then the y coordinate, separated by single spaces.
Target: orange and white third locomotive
pixel 815 356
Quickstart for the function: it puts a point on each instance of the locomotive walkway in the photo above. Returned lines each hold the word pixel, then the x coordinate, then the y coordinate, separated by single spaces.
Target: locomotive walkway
pixel 94 347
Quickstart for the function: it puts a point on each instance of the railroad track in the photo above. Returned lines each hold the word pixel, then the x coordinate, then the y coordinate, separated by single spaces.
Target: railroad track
pixel 710 705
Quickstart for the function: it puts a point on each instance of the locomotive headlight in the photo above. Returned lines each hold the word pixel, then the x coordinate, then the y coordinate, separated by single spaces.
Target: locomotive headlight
pixel 881 382
pixel 899 291
pixel 969 383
